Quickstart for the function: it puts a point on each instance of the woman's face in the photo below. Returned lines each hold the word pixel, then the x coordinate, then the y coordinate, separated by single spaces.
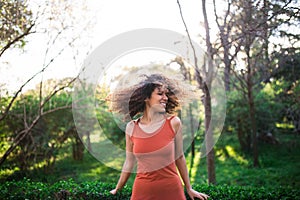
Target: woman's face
pixel 158 99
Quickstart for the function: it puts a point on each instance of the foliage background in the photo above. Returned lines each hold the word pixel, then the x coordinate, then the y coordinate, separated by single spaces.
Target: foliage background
pixel 40 148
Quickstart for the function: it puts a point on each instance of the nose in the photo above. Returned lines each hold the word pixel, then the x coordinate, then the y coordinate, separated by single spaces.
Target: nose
pixel 165 97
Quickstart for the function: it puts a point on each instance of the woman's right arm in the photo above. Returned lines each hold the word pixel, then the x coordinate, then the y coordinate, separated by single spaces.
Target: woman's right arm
pixel 129 161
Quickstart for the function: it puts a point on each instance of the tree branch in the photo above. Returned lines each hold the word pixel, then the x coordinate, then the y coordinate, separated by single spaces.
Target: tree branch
pixel 2 117
pixel 18 38
pixel 196 67
pixel 22 134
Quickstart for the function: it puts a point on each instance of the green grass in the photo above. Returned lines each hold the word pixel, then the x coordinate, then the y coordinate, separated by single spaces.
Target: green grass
pixel 279 164
pixel 88 169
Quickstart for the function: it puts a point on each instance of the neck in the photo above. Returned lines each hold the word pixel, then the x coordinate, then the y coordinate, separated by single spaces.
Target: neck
pixel 152 117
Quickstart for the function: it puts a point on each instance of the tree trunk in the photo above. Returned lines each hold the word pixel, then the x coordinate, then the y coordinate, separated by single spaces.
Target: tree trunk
pixel 227 69
pixel 249 39
pixel 88 141
pixel 204 85
pixel 207 103
pixel 192 132
pixel 253 127
pixel 251 107
pixel 209 139
pixel 78 149
pixel 241 135
pixel 187 77
pixel 224 29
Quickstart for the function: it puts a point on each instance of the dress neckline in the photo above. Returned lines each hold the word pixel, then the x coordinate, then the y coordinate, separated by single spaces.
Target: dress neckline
pixel 155 131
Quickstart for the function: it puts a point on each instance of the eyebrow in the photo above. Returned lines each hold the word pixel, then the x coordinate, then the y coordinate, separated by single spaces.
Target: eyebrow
pixel 160 89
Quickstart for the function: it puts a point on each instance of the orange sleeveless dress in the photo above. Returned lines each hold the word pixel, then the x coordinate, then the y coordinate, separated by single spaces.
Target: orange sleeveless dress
pixel 157 177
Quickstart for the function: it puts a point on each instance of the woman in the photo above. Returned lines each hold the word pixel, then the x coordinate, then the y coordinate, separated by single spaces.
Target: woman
pixel 154 141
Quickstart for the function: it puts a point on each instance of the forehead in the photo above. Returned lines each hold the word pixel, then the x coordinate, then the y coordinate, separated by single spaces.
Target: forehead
pixel 161 88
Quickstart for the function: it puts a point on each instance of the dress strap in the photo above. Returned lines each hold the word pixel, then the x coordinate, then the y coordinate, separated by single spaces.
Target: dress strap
pixel 136 121
pixel 170 118
pixel 170 124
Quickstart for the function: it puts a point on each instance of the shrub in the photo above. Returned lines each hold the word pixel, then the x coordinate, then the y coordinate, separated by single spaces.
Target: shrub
pixel 26 189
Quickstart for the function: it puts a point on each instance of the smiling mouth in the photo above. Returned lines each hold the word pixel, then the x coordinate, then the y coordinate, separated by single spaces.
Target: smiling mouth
pixel 163 104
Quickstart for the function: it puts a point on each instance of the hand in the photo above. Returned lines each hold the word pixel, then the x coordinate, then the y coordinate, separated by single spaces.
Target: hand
pixel 194 194
pixel 114 191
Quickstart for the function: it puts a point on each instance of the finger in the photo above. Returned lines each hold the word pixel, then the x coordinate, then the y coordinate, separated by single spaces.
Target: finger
pixel 199 197
pixel 202 197
pixel 113 192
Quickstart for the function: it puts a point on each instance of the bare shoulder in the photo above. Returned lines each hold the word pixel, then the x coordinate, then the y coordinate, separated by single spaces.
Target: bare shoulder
pixel 175 123
pixel 129 128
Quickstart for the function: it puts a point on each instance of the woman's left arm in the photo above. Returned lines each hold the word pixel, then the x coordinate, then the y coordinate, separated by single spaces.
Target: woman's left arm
pixel 181 163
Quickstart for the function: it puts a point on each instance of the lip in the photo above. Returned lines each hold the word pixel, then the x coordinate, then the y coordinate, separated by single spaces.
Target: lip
pixel 164 104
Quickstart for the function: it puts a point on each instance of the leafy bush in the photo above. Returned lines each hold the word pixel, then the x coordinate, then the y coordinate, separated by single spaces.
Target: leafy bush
pixel 26 189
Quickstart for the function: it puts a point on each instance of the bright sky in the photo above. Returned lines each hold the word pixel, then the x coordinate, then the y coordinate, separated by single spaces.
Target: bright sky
pixel 111 18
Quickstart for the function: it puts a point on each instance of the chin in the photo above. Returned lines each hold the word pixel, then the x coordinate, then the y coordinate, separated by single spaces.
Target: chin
pixel 162 111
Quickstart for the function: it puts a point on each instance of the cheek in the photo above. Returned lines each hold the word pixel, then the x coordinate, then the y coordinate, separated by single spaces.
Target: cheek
pixel 154 101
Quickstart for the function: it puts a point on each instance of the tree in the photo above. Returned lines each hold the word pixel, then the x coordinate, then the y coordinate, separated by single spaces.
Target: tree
pixel 17 23
pixel 204 81
pixel 228 48
pixel 51 22
pixel 287 86
pixel 42 142
pixel 39 109
pixel 187 76
pixel 206 85
pixel 249 27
